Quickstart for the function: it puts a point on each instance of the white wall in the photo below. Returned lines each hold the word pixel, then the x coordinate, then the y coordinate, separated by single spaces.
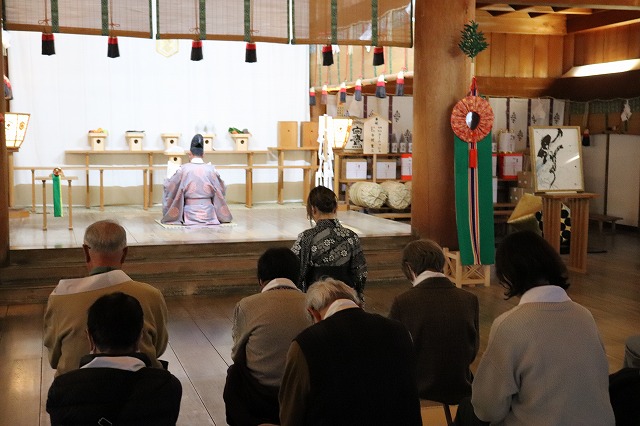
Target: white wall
pixel 80 88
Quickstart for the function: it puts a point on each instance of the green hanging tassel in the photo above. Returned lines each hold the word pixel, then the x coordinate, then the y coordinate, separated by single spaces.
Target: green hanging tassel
pixel 57 196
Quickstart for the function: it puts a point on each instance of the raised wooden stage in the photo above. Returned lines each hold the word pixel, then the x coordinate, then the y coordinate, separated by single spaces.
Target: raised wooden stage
pixel 182 260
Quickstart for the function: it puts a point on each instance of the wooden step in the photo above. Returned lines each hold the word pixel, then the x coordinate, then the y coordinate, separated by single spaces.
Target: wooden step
pixel 183 269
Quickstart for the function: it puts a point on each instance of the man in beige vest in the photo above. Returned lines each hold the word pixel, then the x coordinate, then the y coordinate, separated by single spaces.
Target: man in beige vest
pixel 65 319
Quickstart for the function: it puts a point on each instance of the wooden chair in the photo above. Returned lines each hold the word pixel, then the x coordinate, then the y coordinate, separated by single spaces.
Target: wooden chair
pixel 446 408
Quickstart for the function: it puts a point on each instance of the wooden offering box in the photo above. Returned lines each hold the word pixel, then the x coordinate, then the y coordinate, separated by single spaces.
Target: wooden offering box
pixel 135 140
pixel 97 140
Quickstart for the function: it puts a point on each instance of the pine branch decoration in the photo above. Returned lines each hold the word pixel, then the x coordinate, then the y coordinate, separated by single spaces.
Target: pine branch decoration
pixel 472 41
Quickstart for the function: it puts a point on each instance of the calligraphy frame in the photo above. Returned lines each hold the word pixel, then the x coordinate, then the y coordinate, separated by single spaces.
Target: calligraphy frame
pixel 556 158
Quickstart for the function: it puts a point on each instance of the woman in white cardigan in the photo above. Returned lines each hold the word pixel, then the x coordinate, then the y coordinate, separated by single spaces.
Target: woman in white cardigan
pixel 545 363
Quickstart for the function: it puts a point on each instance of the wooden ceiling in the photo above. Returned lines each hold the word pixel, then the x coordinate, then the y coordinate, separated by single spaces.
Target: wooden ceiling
pixel 564 17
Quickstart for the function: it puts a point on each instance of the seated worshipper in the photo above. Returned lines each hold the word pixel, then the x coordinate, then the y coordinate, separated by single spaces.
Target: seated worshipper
pixel 443 321
pixel 264 325
pixel 350 368
pixel 115 384
pixel 194 195
pixel 65 318
pixel 545 363
pixel 329 249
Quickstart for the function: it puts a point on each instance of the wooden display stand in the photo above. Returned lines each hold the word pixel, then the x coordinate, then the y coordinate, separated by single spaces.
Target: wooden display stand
pixel 465 274
pixel 579 206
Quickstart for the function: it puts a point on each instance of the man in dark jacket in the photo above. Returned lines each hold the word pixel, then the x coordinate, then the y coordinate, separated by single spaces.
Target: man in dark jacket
pixel 350 368
pixel 115 384
pixel 443 322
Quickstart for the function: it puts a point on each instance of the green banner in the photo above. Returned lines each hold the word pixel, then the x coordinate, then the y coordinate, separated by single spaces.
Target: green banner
pixel 474 203
pixel 57 197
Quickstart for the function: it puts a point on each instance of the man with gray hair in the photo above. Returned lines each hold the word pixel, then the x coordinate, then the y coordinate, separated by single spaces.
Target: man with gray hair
pixel 350 367
pixel 105 249
pixel 443 321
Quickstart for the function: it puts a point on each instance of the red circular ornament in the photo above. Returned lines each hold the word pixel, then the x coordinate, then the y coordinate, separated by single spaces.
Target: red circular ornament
pixel 472 106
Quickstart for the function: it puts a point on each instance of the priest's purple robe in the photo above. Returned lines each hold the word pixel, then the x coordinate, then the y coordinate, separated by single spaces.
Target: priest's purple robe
pixel 194 195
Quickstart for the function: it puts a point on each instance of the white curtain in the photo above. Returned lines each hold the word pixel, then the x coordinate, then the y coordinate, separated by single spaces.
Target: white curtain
pixel 80 89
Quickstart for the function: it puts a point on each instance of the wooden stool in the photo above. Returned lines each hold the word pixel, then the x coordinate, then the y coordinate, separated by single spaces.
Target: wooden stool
pixel 465 274
pixel 601 218
pixel 425 404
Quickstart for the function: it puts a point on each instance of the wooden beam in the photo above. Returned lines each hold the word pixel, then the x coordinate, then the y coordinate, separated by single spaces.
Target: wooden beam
pixel 602 20
pixel 515 87
pixel 536 14
pixel 521 23
pixel 593 4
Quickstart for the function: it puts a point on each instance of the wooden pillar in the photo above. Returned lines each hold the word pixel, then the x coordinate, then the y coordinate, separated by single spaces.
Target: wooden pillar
pixel 4 180
pixel 441 78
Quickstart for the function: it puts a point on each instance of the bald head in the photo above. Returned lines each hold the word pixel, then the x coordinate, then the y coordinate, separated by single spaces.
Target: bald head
pixel 105 244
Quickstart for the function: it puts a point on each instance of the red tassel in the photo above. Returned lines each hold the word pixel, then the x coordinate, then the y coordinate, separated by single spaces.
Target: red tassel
pixel 48 46
pixel 196 50
pixel 327 55
pixel 378 56
pixel 113 51
pixel 325 95
pixel 251 55
pixel 473 157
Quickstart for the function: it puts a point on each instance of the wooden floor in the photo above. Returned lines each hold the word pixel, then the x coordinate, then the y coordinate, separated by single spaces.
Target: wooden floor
pixel 200 327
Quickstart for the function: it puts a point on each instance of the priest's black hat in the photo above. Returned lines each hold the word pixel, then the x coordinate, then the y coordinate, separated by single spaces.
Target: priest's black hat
pixel 197 145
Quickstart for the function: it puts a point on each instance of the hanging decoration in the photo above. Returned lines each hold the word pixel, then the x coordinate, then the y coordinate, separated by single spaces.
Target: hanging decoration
pixel 327 55
pixel 57 192
pixel 48 42
pixel 199 30
pixel 250 53
pixel 472 41
pixel 586 140
pixel 312 96
pixel 326 137
pixel 381 90
pixel 167 47
pixel 400 84
pixel 113 51
pixel 343 92
pixel 471 121
pixel 378 56
pixel 196 50
pixel 357 93
pixel 8 90
pixel 325 95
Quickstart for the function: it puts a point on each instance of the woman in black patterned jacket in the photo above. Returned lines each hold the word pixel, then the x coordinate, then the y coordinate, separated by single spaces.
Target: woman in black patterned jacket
pixel 329 249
